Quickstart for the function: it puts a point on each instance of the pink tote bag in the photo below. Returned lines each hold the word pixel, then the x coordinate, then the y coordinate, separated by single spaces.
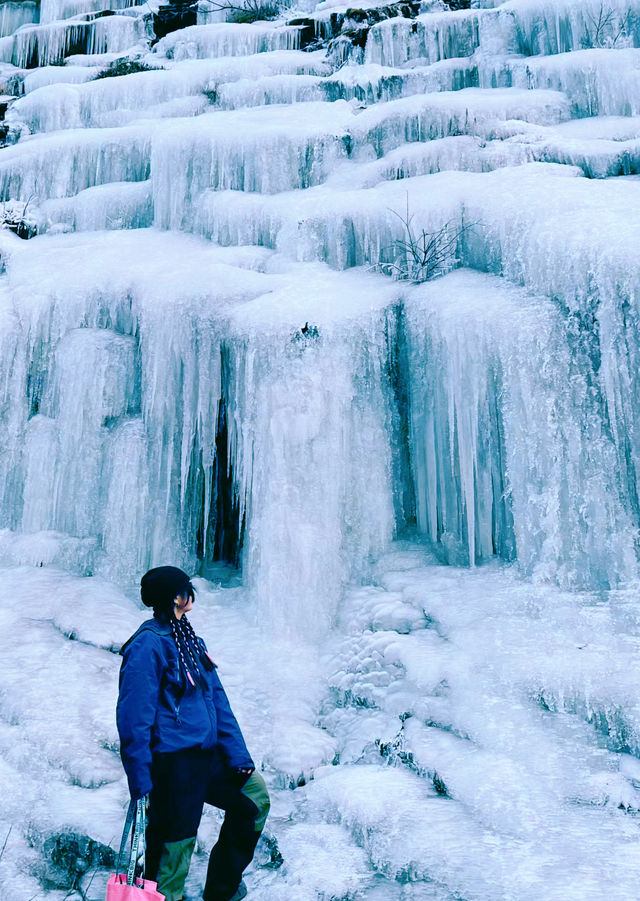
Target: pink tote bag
pixel 143 890
pixel 124 886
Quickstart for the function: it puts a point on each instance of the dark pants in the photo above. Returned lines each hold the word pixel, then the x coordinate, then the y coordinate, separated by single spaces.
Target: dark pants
pixel 182 783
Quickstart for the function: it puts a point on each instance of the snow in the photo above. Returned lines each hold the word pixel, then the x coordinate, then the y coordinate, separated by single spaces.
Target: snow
pixel 410 507
pixel 519 788
pixel 98 102
pixel 48 75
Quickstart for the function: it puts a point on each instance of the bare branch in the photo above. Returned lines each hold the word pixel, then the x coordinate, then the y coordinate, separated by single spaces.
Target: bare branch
pixel 600 30
pixel 419 258
pixel 253 10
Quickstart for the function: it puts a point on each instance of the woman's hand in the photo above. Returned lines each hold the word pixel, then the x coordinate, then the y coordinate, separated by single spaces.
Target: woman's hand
pixel 242 774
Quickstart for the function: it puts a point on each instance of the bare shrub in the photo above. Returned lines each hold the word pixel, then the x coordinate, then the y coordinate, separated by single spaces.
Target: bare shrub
pixel 248 11
pixel 420 256
pixel 15 216
pixel 124 66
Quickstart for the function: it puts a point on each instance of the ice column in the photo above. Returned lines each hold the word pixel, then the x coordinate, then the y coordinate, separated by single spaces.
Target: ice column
pixel 533 28
pixel 93 383
pixel 126 501
pixel 309 441
pixel 14 409
pixel 431 37
pixel 14 15
pixel 510 452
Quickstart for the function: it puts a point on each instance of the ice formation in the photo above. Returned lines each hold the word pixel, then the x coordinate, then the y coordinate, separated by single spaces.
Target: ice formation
pixel 412 502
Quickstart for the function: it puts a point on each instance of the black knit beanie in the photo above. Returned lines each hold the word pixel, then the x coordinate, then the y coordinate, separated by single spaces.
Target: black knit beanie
pixel 161 586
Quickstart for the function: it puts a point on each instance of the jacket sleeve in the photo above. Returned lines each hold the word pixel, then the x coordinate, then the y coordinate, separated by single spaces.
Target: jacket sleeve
pixel 140 677
pixel 229 734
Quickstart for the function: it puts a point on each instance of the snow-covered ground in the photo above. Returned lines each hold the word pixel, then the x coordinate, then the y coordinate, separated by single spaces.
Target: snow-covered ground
pixel 205 360
pixel 458 734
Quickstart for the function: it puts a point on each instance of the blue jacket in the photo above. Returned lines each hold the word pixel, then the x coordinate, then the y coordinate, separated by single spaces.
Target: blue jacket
pixel 159 711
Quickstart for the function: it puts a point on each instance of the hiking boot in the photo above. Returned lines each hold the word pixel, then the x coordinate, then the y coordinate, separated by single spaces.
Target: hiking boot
pixel 240 893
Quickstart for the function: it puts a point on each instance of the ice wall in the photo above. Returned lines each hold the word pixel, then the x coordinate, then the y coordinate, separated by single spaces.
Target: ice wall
pixel 133 352
pixel 42 45
pixel 306 407
pixel 431 38
pixel 136 450
pixel 559 26
pixel 524 27
pixel 505 432
pixel 421 496
pixel 205 41
pixel 14 15
pixel 232 132
pixel 56 10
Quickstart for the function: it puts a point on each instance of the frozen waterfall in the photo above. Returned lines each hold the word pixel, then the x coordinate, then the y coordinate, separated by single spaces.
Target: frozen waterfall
pixel 338 310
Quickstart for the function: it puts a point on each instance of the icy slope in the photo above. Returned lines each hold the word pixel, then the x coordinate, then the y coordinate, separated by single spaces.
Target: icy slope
pixel 442 726
pixel 205 360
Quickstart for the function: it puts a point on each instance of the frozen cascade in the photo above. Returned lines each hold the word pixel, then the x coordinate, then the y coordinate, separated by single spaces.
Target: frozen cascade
pixel 127 306
pixel 599 82
pixel 414 508
pixel 204 41
pixel 235 151
pixel 189 455
pixel 114 205
pixel 42 45
pixel 125 504
pixel 431 37
pixel 557 26
pixel 15 14
pixel 525 27
pixel 101 363
pixel 98 102
pixel 55 10
pixel 302 417
pixel 376 130
pixel 499 452
pixel 61 165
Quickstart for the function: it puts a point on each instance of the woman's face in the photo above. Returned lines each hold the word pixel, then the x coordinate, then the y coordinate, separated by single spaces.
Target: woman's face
pixel 182 604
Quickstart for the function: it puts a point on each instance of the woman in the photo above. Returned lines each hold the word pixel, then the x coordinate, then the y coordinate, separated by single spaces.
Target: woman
pixel 181 745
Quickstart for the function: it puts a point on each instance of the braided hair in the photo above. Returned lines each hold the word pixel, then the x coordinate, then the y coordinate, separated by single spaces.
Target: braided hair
pixel 189 648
